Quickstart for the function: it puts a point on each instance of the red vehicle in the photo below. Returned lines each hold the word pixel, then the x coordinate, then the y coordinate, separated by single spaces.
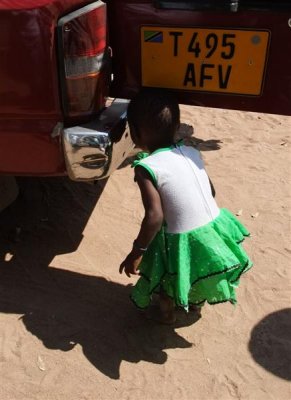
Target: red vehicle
pixel 60 59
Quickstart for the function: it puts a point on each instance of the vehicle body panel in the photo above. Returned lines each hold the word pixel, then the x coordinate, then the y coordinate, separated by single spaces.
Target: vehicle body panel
pixel 27 147
pixel 58 7
pixel 30 103
pixel 31 109
pixel 28 68
pixel 128 16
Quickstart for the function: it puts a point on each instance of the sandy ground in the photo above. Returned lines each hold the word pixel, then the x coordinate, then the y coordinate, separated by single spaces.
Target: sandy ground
pixel 68 329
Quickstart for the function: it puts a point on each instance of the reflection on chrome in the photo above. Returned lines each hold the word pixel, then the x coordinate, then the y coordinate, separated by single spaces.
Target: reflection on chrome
pixel 94 150
pixel 85 138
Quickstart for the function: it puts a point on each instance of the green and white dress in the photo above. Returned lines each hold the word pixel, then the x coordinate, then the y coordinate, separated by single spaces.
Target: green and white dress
pixel 197 256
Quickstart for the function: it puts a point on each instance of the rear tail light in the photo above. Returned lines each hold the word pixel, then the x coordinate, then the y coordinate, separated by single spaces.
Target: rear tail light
pixel 84 60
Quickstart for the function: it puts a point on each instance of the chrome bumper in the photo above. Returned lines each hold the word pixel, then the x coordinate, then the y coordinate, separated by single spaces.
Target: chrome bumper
pixel 94 150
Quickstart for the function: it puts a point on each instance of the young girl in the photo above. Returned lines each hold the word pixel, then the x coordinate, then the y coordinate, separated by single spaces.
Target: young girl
pixel 187 250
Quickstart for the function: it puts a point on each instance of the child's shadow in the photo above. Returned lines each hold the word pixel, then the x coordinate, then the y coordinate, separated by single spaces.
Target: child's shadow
pixel 185 133
pixel 64 308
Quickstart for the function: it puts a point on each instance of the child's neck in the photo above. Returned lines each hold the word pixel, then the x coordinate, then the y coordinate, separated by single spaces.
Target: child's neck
pixel 160 145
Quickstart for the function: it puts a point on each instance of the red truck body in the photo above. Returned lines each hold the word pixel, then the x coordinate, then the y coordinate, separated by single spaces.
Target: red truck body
pixel 125 40
pixel 30 104
pixel 30 95
pixel 32 69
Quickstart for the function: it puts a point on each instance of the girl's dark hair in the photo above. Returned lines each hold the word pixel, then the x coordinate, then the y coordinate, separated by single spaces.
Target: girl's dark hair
pixel 156 111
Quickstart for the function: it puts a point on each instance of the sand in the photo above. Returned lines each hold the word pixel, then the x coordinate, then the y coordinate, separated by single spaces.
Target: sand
pixel 68 329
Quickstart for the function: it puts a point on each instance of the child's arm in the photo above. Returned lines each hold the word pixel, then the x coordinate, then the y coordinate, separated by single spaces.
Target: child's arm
pixel 151 223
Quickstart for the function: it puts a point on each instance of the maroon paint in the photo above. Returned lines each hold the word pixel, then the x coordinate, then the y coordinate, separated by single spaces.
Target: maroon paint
pixel 29 88
pixel 127 16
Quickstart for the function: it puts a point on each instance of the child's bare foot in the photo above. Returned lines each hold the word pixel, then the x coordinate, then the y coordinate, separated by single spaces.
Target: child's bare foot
pixel 167 309
pixel 196 310
pixel 156 314
pixel 167 319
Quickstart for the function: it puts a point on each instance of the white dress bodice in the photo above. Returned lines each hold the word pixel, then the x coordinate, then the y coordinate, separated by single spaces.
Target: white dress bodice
pixel 182 182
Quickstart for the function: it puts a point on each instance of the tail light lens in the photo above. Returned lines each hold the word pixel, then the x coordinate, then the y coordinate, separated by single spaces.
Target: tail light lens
pixel 84 60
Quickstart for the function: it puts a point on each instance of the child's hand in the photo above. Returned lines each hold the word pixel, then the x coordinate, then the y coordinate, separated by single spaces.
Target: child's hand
pixel 130 264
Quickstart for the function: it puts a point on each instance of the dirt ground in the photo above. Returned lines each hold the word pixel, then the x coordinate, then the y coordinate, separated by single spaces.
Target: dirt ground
pixel 68 329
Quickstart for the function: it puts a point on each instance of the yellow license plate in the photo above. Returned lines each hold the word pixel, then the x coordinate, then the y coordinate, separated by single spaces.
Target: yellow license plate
pixel 200 59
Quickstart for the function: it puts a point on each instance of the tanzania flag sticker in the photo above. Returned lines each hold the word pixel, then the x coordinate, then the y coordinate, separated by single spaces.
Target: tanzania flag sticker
pixel 153 36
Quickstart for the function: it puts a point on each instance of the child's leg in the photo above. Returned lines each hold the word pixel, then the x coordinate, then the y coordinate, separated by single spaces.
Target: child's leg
pixel 167 308
pixel 196 308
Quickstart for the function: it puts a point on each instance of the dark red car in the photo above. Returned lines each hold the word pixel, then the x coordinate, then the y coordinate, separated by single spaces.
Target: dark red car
pixel 60 59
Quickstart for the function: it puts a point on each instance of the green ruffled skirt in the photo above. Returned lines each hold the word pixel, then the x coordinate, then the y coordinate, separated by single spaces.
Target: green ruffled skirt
pixel 204 264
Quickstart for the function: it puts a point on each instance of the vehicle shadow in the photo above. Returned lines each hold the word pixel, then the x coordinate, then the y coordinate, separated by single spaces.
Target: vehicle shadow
pixel 63 308
pixel 270 343
pixel 46 210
